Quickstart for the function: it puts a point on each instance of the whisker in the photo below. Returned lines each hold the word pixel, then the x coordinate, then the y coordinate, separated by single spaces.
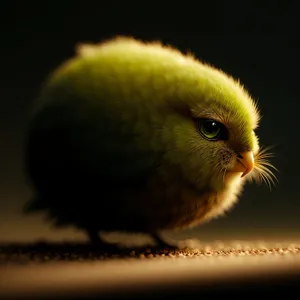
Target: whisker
pixel 270 181
pixel 267 176
pixel 263 156
pixel 265 149
pixel 266 180
pixel 267 163
pixel 263 169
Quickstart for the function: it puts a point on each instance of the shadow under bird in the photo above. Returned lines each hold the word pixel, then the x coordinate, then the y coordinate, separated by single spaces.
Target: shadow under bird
pixel 136 136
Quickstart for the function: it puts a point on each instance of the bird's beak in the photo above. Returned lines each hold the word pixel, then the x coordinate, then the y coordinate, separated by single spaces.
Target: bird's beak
pixel 247 160
pixel 245 163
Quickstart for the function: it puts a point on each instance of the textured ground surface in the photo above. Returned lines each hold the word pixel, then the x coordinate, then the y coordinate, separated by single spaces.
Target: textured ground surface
pixel 43 252
pixel 44 271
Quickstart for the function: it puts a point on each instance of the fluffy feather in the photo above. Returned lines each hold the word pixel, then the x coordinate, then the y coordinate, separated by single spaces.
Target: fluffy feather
pixel 113 142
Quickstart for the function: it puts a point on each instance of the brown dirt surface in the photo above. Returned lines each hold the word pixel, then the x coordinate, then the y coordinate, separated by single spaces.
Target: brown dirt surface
pixel 78 270
pixel 52 252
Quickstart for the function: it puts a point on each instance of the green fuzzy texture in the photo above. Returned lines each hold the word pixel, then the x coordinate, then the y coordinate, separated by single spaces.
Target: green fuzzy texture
pixel 113 143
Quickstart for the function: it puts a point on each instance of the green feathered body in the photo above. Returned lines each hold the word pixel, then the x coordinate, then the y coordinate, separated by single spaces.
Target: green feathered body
pixel 112 143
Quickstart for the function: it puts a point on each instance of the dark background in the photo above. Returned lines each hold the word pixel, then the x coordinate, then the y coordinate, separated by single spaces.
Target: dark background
pixel 256 42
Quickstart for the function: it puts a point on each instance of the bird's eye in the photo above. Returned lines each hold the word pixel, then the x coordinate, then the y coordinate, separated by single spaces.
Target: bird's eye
pixel 212 130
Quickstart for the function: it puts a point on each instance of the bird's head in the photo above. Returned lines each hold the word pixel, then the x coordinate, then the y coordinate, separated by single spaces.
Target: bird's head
pixel 206 119
pixel 210 131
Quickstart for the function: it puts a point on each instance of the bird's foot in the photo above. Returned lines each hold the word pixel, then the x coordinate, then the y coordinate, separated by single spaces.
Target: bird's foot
pixel 162 244
pixel 99 244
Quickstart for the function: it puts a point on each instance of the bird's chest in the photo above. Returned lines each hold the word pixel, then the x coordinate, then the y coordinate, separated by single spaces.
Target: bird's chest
pixel 175 205
pixel 178 206
pixel 189 209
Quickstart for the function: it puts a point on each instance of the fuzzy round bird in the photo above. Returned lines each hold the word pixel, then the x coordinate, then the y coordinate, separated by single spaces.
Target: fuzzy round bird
pixel 136 136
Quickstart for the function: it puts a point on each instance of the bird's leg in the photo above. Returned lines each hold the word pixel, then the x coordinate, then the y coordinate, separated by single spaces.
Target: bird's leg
pixel 98 242
pixel 94 237
pixel 161 243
